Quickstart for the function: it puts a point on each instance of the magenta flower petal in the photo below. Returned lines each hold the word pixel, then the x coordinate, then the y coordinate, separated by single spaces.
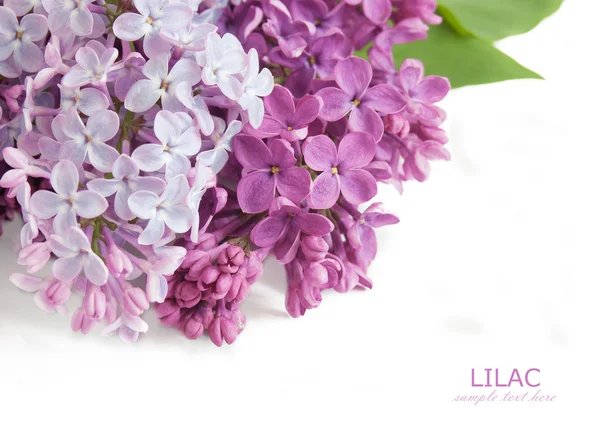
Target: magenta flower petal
pixel 325 191
pixel 280 104
pixel 432 89
pixel 336 103
pixel 282 154
pixel 313 224
pixel 356 150
pixel 358 186
pixel 307 110
pixel 368 242
pixel 384 98
pixel 364 119
pixel 377 11
pixel 256 191
pixel 270 126
pixel 268 231
pixel 411 73
pixel 294 184
pixel 353 76
pixel 286 249
pixel 251 152
pixel 320 153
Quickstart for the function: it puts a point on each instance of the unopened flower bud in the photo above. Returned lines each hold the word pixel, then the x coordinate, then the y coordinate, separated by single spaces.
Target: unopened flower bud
pixel 95 304
pixel 118 262
pixel 81 321
pixel 135 301
pixel 231 258
pixel 193 328
pixel 35 256
pixel 187 294
pixel 168 312
pixel 315 248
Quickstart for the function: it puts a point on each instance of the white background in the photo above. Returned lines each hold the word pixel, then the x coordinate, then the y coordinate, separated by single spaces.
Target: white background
pixel 494 265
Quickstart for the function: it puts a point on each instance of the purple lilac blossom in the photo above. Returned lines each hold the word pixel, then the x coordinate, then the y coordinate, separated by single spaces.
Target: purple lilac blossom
pixel 159 150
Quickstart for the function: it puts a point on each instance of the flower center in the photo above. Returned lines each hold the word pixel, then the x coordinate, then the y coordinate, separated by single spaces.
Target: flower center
pixel 362 221
pixel 290 128
pixel 275 169
pixel 312 60
pixel 164 86
pixel 89 138
pixel 19 35
pixel 149 20
pixel 356 102
pixel 334 170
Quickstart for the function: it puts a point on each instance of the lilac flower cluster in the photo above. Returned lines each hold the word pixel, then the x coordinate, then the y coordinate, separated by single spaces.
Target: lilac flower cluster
pixel 181 142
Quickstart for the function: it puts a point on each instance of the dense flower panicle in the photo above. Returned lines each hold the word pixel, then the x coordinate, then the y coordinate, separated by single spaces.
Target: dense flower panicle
pixel 160 150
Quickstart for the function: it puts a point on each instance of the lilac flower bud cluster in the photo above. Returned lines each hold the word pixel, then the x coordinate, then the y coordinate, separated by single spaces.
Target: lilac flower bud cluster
pixel 205 293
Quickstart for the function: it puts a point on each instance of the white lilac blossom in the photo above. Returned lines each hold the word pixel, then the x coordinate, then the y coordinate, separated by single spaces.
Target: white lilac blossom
pixel 167 209
pixel 66 202
pixel 17 38
pixel 178 139
pixel 161 84
pixel 160 150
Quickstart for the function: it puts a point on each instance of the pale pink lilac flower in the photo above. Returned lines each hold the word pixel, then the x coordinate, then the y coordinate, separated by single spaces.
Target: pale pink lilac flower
pixel 161 84
pixel 87 142
pixel 255 86
pixel 51 294
pixel 17 39
pixel 128 326
pixel 88 100
pixel 167 209
pixel 126 181
pixel 153 17
pixel 66 203
pixel 216 149
pixel 178 140
pixel 75 254
pixel 223 58
pixel 94 62
pixel 73 14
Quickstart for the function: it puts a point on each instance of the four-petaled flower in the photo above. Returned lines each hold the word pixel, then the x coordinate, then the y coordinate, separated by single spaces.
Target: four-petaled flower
pixel 75 253
pixel 287 117
pixel 88 141
pixel 126 181
pixel 73 14
pixel 128 326
pixel 223 58
pixel 268 168
pixel 178 138
pixel 66 203
pixel 161 84
pixel 283 226
pixel 353 76
pixel 94 61
pixel 361 234
pixel 154 16
pixel 17 38
pixel 169 208
pixel 422 92
pixel 340 169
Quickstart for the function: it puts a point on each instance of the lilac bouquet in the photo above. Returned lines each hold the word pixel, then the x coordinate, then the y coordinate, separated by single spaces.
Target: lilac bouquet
pixel 160 150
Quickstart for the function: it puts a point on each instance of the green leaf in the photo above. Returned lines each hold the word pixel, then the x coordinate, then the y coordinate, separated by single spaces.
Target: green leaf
pixel 464 60
pixel 496 19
